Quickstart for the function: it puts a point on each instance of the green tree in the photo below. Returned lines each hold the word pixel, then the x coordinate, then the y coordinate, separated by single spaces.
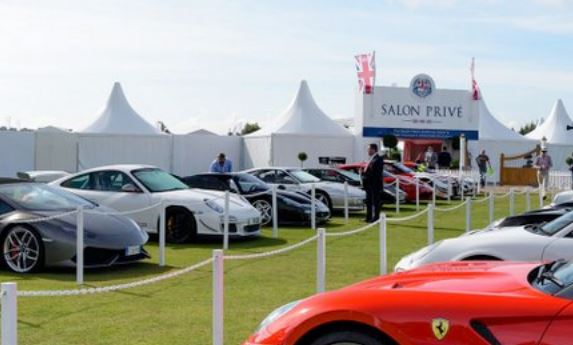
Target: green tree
pixel 250 128
pixel 527 128
pixel 302 156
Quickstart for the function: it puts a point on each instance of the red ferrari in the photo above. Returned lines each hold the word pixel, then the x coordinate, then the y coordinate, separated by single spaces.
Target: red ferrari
pixel 470 303
pixel 407 183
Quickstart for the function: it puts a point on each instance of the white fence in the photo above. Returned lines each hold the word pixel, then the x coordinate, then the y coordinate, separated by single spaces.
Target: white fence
pixel 9 293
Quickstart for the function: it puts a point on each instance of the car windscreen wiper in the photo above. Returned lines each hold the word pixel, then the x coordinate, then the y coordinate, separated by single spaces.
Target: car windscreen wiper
pixel 547 273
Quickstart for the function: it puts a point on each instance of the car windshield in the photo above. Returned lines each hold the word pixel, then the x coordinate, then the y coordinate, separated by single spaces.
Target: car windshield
pixel 557 224
pixel 303 176
pixel 40 197
pixel 349 174
pixel 552 277
pixel 250 184
pixel 157 180
pixel 562 198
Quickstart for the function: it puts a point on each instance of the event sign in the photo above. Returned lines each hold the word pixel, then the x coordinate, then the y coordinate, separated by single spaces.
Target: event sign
pixel 418 111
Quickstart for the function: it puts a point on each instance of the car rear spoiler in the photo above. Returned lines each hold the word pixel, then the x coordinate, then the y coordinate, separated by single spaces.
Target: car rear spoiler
pixel 43 176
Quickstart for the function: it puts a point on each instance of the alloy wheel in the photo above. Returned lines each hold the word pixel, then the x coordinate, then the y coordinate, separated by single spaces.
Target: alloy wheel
pixel 21 250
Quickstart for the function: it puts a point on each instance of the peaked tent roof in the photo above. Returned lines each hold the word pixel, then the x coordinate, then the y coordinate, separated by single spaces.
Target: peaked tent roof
pixel 554 128
pixel 118 117
pixel 491 129
pixel 303 117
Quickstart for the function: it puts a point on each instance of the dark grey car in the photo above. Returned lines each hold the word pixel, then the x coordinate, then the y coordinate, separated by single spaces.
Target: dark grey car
pixel 28 245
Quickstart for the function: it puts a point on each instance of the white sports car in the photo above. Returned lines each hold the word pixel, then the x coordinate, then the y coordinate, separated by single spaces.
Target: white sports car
pixel 190 212
pixel 535 242
pixel 297 180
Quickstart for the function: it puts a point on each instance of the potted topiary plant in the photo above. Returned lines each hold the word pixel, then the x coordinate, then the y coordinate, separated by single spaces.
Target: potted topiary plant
pixel 302 156
pixel 569 161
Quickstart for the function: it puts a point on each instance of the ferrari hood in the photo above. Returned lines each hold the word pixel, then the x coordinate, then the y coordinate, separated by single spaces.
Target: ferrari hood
pixel 485 277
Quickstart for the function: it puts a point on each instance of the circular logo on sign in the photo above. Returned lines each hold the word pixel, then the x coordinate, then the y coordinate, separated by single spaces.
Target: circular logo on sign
pixel 422 85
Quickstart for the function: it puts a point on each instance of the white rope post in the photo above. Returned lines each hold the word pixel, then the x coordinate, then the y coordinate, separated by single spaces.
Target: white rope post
pixel 162 222
pixel 511 202
pixel 9 304
pixel 346 202
pixel 468 214
pixel 417 194
pixel 226 220
pixel 541 194
pixel 490 202
pixel 275 212
pixel 397 195
pixel 474 191
pixel 313 206
pixel 528 199
pixel 321 260
pixel 80 246
pixel 218 296
pixel 450 190
pixel 434 193
pixel 462 152
pixel 430 224
pixel 383 250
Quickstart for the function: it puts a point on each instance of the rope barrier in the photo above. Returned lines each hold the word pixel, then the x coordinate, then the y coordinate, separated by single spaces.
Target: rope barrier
pixel 112 288
pixel 479 201
pixel 502 195
pixel 403 219
pixel 352 232
pixel 448 209
pixel 272 252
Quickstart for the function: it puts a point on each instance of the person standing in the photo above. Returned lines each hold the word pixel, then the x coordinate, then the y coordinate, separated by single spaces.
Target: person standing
pixel 221 164
pixel 373 183
pixel 482 161
pixel 543 164
pixel 431 158
pixel 444 159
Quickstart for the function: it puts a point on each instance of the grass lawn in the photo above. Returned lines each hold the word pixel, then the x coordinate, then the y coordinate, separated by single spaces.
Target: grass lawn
pixel 178 311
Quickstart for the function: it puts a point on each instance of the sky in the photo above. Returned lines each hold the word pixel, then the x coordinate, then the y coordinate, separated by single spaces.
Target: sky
pixel 214 63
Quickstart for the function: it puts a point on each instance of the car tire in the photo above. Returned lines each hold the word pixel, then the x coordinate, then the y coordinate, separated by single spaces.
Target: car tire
pixel 180 226
pixel 324 198
pixel 26 247
pixel 265 208
pixel 346 338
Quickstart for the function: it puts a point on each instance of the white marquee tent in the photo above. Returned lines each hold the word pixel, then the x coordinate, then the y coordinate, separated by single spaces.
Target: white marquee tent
pixel 559 139
pixel 118 117
pixel 302 127
pixel 554 128
pixel 495 138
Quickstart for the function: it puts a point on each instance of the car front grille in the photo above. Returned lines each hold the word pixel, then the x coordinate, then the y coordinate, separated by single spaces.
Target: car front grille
pixel 252 228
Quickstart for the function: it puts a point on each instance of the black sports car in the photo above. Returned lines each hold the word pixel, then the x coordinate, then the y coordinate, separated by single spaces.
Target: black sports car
pixel 535 217
pixel 293 208
pixel 388 194
pixel 28 245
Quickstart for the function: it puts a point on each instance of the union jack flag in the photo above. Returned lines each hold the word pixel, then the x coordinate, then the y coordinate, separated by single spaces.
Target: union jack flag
pixel 475 88
pixel 366 71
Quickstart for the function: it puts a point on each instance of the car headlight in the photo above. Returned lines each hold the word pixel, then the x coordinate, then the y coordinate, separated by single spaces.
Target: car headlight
pixel 214 206
pixel 277 313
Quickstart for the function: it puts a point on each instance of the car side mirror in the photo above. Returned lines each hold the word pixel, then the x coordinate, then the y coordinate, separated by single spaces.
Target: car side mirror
pixel 129 188
pixel 281 187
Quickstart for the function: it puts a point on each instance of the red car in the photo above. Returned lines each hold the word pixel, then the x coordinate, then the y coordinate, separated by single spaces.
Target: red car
pixel 470 303
pixel 407 183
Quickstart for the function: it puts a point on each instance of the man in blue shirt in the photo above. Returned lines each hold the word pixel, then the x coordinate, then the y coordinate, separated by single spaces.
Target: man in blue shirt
pixel 221 165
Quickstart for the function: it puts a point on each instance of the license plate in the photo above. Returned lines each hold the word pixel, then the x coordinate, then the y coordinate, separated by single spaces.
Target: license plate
pixel 133 250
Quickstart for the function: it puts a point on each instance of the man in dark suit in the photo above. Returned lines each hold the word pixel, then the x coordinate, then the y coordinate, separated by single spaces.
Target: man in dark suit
pixel 373 183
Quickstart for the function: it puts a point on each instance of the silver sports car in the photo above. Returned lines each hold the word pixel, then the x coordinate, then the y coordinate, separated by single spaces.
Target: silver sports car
pixel 28 245
pixel 296 180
